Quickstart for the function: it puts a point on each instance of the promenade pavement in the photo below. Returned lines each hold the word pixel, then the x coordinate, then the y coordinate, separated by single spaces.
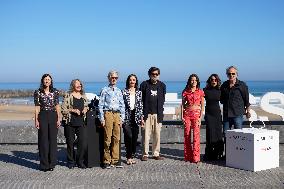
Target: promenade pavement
pixel 19 169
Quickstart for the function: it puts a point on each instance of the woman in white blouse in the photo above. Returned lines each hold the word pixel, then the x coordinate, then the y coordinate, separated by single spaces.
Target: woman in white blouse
pixel 133 116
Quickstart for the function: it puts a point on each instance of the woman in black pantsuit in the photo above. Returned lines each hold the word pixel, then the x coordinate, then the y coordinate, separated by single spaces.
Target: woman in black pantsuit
pixel 47 121
pixel 133 116
pixel 214 142
pixel 74 108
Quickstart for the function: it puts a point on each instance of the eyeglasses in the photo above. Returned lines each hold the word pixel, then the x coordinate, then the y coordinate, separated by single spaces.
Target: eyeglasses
pixel 114 78
pixel 215 80
pixel 154 74
pixel 231 73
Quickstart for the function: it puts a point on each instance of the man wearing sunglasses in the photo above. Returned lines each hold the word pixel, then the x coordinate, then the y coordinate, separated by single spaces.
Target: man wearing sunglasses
pixel 153 97
pixel 235 100
pixel 111 114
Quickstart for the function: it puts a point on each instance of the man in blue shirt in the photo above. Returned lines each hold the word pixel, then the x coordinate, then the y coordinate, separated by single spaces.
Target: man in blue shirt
pixel 111 114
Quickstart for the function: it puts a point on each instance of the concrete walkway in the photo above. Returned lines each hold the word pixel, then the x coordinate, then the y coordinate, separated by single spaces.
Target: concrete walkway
pixel 19 169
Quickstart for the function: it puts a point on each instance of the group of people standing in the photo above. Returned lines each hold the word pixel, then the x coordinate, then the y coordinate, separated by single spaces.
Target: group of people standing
pixel 133 108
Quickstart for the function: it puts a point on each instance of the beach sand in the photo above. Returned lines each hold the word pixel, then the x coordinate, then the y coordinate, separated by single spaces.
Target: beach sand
pixel 16 112
pixel 26 112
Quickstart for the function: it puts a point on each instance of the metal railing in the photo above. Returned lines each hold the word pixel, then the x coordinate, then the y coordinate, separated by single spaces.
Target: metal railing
pixel 245 123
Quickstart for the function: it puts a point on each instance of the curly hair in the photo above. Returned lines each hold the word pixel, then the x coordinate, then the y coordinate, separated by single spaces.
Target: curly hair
pixel 208 82
pixel 188 84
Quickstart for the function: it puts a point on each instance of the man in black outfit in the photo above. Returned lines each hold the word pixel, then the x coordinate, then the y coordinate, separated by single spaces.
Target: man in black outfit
pixel 153 97
pixel 235 100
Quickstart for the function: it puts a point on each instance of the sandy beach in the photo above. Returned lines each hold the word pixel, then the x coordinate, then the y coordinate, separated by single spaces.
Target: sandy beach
pixel 26 112
pixel 16 112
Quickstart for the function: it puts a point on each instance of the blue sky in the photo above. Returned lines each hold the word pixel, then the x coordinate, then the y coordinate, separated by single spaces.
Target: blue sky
pixel 85 39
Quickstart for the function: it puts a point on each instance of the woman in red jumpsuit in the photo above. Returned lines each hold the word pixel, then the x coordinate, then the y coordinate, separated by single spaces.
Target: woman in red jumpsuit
pixel 192 105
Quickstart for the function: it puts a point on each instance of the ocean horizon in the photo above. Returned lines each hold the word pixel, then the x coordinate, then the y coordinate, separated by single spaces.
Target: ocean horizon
pixel 256 88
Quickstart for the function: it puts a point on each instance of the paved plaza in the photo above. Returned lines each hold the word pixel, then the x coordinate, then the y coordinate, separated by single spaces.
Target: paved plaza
pixel 19 169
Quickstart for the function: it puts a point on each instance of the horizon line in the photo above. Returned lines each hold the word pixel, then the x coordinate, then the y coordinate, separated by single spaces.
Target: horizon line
pixel 122 81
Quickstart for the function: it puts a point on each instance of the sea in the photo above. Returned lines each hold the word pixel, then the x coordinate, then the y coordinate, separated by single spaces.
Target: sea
pixel 256 88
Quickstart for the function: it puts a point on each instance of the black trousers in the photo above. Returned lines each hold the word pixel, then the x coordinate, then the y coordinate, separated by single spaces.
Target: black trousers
pixel 47 139
pixel 131 132
pixel 80 156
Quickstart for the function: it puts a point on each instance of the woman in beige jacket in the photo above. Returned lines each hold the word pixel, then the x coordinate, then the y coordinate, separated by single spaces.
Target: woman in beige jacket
pixel 73 109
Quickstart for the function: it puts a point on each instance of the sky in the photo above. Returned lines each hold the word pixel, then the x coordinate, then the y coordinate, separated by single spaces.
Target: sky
pixel 86 39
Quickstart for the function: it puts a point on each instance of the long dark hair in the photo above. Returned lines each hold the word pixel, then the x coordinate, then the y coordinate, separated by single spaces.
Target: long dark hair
pixel 188 84
pixel 208 82
pixel 41 88
pixel 128 79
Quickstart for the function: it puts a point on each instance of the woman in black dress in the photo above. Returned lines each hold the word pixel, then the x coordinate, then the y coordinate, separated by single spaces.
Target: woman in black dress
pixel 214 143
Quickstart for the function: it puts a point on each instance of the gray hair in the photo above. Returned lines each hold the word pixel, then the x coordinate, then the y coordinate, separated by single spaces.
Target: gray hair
pixel 113 72
pixel 230 67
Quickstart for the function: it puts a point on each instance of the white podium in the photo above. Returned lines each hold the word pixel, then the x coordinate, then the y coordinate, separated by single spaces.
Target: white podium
pixel 252 149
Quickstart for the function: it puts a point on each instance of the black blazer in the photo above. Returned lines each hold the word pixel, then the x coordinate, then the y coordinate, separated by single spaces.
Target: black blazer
pixel 235 100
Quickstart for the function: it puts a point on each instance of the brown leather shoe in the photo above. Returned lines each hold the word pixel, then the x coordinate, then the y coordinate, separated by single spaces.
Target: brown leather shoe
pixel 144 158
pixel 158 158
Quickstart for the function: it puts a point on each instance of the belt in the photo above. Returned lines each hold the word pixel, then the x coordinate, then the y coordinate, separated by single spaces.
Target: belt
pixel 113 111
pixel 44 110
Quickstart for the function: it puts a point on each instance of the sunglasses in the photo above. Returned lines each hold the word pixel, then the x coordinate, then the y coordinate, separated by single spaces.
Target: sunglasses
pixel 114 78
pixel 154 74
pixel 231 73
pixel 215 80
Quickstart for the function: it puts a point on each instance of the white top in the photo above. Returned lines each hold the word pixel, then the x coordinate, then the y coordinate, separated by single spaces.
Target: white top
pixel 132 101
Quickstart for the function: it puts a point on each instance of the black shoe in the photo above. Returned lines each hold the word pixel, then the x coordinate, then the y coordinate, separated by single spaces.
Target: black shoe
pixel 44 170
pixel 117 165
pixel 106 166
pixel 208 158
pixel 82 166
pixel 71 166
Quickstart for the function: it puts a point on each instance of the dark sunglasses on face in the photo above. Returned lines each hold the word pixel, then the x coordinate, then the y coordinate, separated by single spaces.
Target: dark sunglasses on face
pixel 215 80
pixel 231 73
pixel 114 78
pixel 154 74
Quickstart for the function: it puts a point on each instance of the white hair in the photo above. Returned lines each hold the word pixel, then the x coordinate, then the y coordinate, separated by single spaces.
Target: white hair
pixel 113 72
pixel 230 67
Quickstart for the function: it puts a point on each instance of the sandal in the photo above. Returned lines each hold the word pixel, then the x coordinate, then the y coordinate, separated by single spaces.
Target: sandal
pixel 129 162
pixel 133 161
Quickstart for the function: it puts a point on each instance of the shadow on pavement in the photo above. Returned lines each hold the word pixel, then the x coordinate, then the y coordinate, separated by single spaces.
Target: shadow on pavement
pixel 175 154
pixel 31 159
